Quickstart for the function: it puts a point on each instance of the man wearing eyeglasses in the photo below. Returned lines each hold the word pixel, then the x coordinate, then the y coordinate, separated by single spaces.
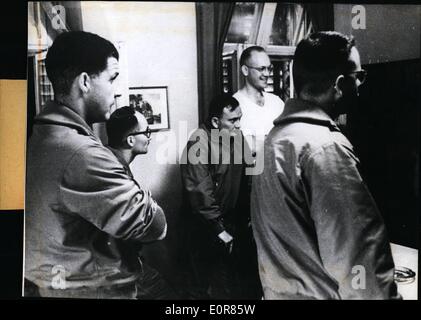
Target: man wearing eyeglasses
pixel 129 135
pixel 318 231
pixel 260 108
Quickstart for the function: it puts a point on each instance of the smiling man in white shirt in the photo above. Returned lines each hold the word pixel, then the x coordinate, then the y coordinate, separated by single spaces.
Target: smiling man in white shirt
pixel 259 108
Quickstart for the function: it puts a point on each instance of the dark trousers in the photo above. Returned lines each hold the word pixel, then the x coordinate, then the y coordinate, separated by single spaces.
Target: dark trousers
pixel 217 274
pixel 152 286
pixel 213 276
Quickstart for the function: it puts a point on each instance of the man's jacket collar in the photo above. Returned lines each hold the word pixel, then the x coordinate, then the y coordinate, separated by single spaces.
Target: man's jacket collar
pixel 58 114
pixel 297 110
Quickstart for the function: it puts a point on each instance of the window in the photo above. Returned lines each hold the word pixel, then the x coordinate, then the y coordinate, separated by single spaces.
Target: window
pixel 45 88
pixel 229 72
pixel 244 20
pixel 281 78
pixel 290 25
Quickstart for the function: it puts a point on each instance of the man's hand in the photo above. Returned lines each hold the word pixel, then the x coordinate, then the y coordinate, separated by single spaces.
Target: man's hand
pixel 227 239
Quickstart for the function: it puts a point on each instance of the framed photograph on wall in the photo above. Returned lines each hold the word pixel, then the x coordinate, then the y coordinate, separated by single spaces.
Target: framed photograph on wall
pixel 152 102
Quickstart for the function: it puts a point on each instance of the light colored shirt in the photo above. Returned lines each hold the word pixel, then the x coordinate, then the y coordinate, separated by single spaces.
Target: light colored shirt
pixel 259 119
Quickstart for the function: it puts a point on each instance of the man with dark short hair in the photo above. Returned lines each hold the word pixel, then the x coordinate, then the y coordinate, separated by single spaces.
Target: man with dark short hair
pixel 318 231
pixel 129 135
pixel 217 210
pixel 81 204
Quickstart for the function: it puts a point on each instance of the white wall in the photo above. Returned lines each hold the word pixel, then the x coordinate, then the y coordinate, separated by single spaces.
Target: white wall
pixel 160 41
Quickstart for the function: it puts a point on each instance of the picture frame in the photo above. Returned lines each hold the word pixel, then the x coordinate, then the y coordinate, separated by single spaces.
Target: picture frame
pixel 152 102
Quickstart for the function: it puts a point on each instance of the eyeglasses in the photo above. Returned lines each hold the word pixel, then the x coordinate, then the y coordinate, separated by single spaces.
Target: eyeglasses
pixel 361 75
pixel 269 69
pixel 147 133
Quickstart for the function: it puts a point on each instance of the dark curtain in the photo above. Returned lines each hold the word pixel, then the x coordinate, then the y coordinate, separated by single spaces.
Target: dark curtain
pixel 213 20
pixel 321 16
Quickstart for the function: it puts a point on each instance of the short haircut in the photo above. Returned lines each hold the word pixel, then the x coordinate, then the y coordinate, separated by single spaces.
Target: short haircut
pixel 320 59
pixel 75 52
pixel 218 103
pixel 121 122
pixel 245 56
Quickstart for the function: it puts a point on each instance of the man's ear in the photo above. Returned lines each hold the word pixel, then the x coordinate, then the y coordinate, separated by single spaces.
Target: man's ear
pixel 130 141
pixel 84 82
pixel 338 87
pixel 215 122
pixel 244 70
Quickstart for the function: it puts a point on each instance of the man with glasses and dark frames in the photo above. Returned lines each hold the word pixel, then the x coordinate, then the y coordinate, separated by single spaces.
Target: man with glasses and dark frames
pixel 260 108
pixel 318 231
pixel 129 135
pixel 360 75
